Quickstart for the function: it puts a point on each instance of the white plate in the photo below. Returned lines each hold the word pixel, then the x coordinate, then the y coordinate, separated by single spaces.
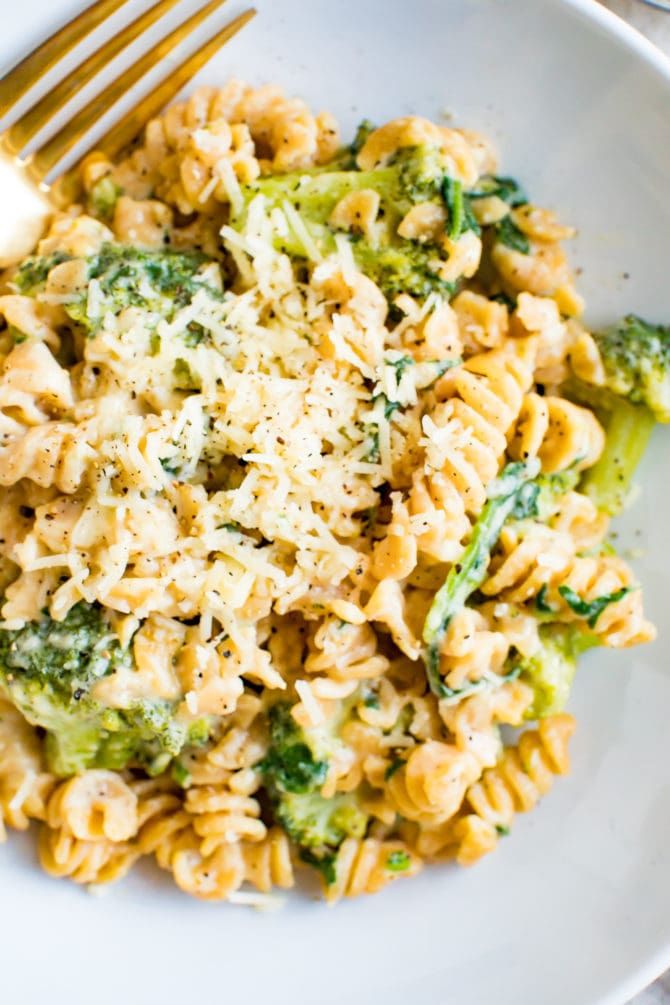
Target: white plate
pixel 574 909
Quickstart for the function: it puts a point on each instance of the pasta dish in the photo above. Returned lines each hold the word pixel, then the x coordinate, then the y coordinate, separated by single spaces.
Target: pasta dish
pixel 307 466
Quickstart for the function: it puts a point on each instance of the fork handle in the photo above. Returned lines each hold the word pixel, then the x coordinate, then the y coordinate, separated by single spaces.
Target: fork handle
pixel 24 211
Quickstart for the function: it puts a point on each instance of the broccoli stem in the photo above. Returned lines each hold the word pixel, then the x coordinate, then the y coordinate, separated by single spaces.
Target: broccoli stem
pixel 467 575
pixel 628 428
pixel 551 669
pixel 608 482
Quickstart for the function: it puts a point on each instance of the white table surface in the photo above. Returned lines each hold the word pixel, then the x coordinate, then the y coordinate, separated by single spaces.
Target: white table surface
pixel 655 24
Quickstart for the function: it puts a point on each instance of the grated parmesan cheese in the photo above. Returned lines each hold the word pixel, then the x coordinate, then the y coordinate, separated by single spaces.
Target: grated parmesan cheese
pixel 310 704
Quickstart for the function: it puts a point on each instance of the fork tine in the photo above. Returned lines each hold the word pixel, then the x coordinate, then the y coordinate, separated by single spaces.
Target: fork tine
pixel 123 133
pixel 36 117
pixel 32 67
pixel 65 188
pixel 54 149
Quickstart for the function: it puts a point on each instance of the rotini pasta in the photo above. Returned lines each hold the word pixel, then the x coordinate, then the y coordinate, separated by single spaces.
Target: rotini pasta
pixel 296 528
pixel 368 866
pixel 24 784
pixel 62 855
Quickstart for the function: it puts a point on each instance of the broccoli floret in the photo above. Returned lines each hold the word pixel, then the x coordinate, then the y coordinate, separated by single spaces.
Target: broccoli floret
pixel 540 497
pixel 48 668
pixel 414 175
pixel 636 357
pixel 157 281
pixel 406 267
pixel 104 195
pixel 627 428
pixel 291 764
pixel 31 275
pixel 551 669
pixel 551 488
pixel 317 824
pixel 294 769
pixel 421 175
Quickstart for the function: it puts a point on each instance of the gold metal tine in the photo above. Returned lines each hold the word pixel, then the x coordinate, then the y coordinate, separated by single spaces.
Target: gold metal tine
pixel 32 68
pixel 36 117
pixel 51 152
pixel 121 135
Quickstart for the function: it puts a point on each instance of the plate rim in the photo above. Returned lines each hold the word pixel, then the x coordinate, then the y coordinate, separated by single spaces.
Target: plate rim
pixel 622 33
pixel 631 38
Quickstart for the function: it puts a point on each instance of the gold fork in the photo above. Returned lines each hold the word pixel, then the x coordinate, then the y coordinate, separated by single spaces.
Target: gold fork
pixel 26 201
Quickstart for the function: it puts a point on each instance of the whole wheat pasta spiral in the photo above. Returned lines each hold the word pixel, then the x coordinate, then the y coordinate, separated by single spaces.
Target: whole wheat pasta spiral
pixel 95 806
pixel 524 774
pixel 430 786
pixel 465 439
pixel 219 875
pixel 24 784
pixel 557 432
pixel 367 866
pixel 89 862
pixel 543 559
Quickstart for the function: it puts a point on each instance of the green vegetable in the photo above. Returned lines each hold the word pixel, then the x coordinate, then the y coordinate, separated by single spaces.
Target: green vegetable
pixel 362 132
pixel 194 334
pixel 181 774
pixel 636 357
pixel 184 378
pixel 404 267
pixel 509 234
pixel 508 493
pixel 290 764
pixel 372 454
pixel 551 490
pixel 293 770
pixel 326 864
pixel 421 172
pixel 461 217
pixel 157 281
pixel 627 428
pixel 550 671
pixel 503 830
pixel 317 824
pixel 48 668
pixel 397 265
pixel 170 465
pixel 398 861
pixel 541 601
pixel 17 336
pixel 32 273
pixel 540 498
pixel 104 195
pixel 507 189
pixel 591 610
pixel 486 683
pixel 506 299
pixel 389 408
pixel 395 765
